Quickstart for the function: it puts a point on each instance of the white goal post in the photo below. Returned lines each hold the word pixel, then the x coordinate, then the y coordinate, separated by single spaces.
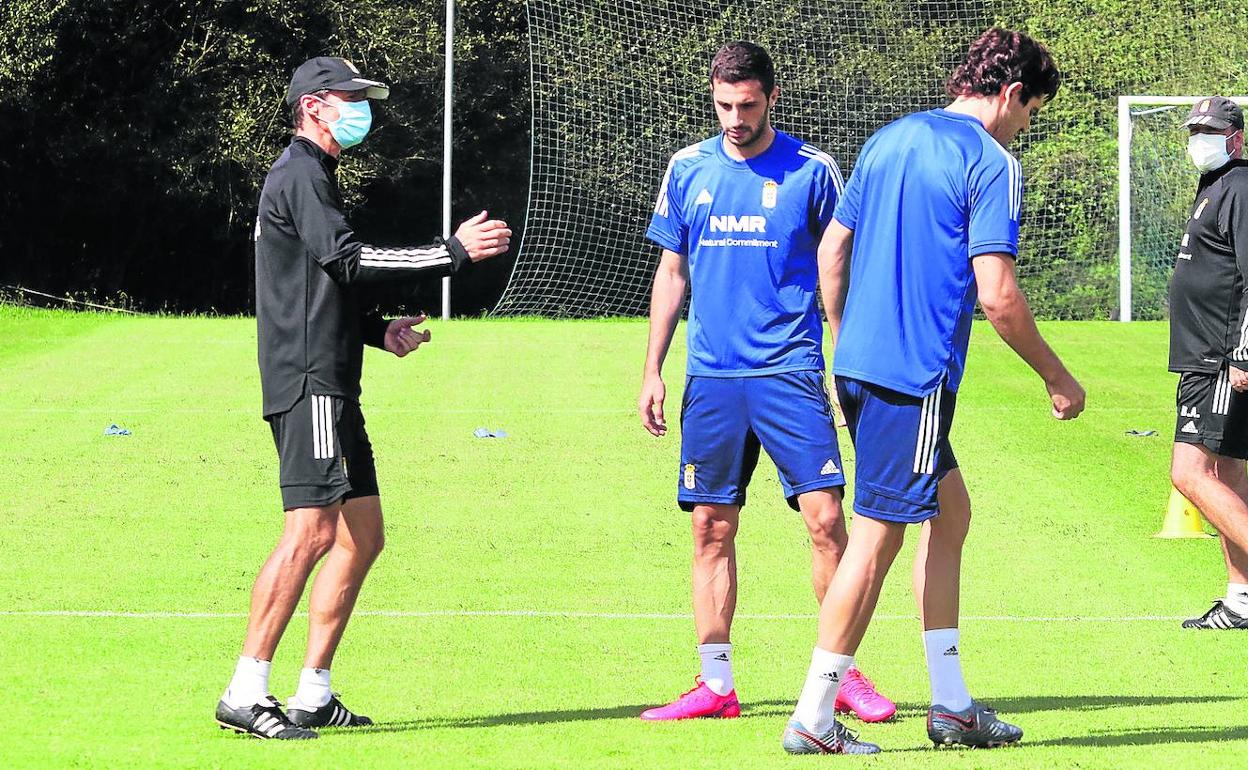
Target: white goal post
pixel 1127 106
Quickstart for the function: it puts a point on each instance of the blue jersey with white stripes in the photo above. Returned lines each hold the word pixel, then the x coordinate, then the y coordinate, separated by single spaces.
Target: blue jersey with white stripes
pixel 750 230
pixel 929 192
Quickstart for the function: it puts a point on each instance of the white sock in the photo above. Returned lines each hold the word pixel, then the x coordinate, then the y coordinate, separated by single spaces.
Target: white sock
pixel 716 667
pixel 816 707
pixel 1237 598
pixel 313 687
pixel 250 684
pixel 944 668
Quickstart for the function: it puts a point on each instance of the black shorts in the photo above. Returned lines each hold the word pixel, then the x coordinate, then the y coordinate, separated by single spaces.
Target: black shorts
pixel 323 452
pixel 1212 413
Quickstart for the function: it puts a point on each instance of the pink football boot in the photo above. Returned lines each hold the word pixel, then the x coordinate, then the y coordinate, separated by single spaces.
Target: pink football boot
pixel 858 696
pixel 701 701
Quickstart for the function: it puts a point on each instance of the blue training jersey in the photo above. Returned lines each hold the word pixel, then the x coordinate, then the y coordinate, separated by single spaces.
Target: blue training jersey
pixel 929 192
pixel 750 230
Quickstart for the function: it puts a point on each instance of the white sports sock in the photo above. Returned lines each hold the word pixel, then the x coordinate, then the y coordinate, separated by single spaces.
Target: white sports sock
pixel 313 687
pixel 1237 598
pixel 250 684
pixel 716 667
pixel 944 668
pixel 816 707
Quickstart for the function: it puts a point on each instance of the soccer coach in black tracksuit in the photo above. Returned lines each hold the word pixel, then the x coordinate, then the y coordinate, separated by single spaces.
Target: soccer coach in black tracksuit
pixel 311 333
pixel 1209 347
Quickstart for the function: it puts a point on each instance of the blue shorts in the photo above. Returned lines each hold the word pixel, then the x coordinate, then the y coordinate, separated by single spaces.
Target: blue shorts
pixel 901 449
pixel 724 421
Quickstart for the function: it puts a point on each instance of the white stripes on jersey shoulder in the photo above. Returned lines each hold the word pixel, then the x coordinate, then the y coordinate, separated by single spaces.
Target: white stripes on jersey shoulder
pixel 929 432
pixel 838 179
pixel 661 205
pixel 323 428
pixel 1016 182
pixel 405 259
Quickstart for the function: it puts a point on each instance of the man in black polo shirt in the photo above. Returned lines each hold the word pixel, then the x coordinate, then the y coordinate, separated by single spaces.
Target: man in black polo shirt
pixel 1209 347
pixel 311 333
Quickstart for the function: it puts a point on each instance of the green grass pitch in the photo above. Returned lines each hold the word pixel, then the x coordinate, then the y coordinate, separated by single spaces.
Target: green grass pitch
pixel 569 524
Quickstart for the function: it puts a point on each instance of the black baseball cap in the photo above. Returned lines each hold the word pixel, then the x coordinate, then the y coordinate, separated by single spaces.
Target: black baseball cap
pixel 1216 112
pixel 330 73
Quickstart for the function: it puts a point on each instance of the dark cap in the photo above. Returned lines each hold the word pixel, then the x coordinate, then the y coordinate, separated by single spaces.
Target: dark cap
pixel 1216 112
pixel 329 73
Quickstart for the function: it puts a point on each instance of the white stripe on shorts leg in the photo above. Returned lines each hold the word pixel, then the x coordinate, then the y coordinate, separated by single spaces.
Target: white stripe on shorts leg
pixel 1220 389
pixel 323 450
pixel 316 429
pixel 925 419
pixel 930 466
pixel 329 426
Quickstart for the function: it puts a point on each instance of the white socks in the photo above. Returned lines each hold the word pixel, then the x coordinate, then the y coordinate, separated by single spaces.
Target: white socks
pixel 1237 598
pixel 816 707
pixel 313 687
pixel 250 684
pixel 944 668
pixel 716 667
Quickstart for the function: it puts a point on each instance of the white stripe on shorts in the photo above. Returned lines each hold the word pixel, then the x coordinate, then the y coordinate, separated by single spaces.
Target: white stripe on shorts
pixel 316 428
pixel 929 431
pixel 1222 392
pixel 322 427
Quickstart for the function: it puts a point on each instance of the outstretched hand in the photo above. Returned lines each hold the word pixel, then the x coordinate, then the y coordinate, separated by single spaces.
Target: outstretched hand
pixel 402 338
pixel 484 238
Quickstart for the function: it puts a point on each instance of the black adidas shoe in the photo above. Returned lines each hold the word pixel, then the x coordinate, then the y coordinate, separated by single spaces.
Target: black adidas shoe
pixel 332 714
pixel 1218 617
pixel 976 726
pixel 263 720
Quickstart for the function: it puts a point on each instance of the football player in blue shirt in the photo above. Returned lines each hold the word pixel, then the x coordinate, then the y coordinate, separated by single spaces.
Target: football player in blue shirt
pixel 740 218
pixel 931 214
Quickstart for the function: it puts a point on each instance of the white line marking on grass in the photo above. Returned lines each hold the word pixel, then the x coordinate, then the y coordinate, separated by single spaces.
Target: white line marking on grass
pixel 574 614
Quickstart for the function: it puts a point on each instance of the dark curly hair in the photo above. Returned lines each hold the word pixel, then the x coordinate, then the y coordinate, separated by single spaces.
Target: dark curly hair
pixel 1001 57
pixel 742 60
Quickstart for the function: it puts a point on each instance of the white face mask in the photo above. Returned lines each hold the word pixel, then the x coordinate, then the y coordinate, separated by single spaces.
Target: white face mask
pixel 1208 151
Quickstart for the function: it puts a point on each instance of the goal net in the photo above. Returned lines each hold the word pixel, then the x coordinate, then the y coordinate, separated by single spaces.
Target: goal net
pixel 620 85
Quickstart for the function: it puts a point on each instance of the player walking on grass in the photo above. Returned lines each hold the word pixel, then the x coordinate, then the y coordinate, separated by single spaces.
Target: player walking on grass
pixel 931 214
pixel 311 333
pixel 1209 347
pixel 740 217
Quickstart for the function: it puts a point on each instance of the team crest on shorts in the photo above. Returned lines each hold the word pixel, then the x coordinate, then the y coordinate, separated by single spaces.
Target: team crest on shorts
pixel 771 191
pixel 690 470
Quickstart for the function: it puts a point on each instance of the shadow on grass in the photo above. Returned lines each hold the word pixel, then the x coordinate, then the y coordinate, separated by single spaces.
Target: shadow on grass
pixel 782 708
pixel 757 709
pixel 1149 737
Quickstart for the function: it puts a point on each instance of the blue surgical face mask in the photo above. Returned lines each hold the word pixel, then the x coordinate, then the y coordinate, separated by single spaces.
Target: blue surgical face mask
pixel 354 120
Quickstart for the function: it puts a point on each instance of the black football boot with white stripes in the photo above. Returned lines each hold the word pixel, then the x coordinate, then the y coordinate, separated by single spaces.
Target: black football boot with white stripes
pixel 332 714
pixel 263 720
pixel 1218 617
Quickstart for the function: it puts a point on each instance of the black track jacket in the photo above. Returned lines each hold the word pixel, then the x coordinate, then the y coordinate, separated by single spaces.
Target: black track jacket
pixel 310 328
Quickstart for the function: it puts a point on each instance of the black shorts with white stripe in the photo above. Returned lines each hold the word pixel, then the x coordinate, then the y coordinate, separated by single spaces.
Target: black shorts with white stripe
pixel 323 452
pixel 1212 414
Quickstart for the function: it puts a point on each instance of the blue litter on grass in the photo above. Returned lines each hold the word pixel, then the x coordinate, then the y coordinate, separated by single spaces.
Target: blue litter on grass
pixel 116 430
pixel 489 433
pixel 1134 432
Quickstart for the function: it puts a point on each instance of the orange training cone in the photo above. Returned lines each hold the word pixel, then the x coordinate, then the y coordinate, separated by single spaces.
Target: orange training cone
pixel 1182 518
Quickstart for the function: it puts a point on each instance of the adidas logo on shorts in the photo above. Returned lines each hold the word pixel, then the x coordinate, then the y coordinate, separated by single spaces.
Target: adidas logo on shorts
pixel 829 468
pixel 1190 427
